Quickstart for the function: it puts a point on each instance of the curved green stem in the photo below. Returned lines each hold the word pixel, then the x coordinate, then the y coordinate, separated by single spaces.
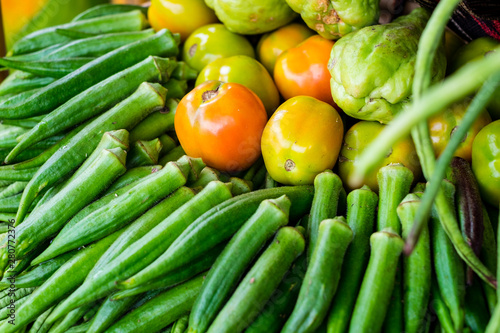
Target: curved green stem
pixel 475 108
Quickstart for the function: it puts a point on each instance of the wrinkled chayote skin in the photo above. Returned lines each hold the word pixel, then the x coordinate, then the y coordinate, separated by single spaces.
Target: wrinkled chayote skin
pixel 252 16
pixel 372 69
pixel 333 19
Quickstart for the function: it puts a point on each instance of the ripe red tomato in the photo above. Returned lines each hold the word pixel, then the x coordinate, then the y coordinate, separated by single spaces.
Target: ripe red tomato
pixel 222 123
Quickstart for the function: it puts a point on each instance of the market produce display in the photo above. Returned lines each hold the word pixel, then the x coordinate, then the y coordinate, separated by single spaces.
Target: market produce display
pixel 249 166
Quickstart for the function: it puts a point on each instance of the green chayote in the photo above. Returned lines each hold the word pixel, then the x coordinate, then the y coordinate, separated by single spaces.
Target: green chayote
pixel 372 69
pixel 252 16
pixel 333 19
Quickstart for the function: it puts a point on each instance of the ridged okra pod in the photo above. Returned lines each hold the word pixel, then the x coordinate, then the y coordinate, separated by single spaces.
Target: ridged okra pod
pixel 50 217
pixel 259 283
pixel 322 277
pixel 417 269
pixel 147 248
pixel 223 278
pixel 147 98
pixel 121 211
pixel 361 215
pixel 83 106
pixel 144 153
pixel 376 289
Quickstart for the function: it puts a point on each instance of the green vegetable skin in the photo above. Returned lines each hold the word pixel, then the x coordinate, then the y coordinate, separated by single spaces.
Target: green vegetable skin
pixel 372 69
pixel 336 18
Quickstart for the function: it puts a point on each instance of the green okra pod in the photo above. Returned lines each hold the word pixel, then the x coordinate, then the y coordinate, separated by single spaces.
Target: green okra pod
pixel 10 204
pixel 107 9
pixel 18 82
pixel 240 186
pixel 225 219
pixel 82 328
pixel 449 267
pixel 489 257
pixel 441 310
pixel 476 309
pixel 327 187
pixel 180 324
pixel 206 176
pixel 13 189
pixel 394 184
pixel 8 135
pixel 15 295
pixel 109 312
pixel 417 269
pixel 119 213
pixel 108 92
pixel 144 153
pixel 494 323
pixel 361 215
pixel 38 325
pixel 70 319
pixel 168 143
pixel 172 155
pixel 132 175
pixel 143 225
pixel 378 282
pixel 223 278
pixel 60 91
pixel 96 46
pixel 64 280
pixel 51 216
pixel 56 68
pixel 40 273
pixel 124 115
pixel 277 310
pixel 131 21
pixel 160 311
pixel 146 249
pixel 259 283
pixel 176 88
pixel 182 274
pixel 322 276
pixel 157 123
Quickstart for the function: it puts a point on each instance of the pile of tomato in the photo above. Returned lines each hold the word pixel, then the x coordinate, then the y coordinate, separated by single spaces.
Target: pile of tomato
pixel 269 95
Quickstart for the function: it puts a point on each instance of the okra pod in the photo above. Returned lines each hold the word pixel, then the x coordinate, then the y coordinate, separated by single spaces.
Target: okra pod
pixel 160 311
pixel 259 283
pixel 109 312
pixel 240 186
pixel 417 269
pixel 476 309
pixel 13 189
pixel 441 310
pixel 15 295
pixel 131 176
pixel 82 328
pixel 107 9
pixel 83 106
pixel 206 176
pixel 394 183
pixel 51 216
pixel 144 153
pixel 64 280
pixel 223 220
pixel 38 325
pixel 146 249
pixel 60 91
pixel 124 115
pixel 223 278
pixel 449 267
pixel 327 187
pixel 182 274
pixel 98 45
pixel 131 21
pixel 70 319
pixel 156 123
pixel 361 214
pixel 489 257
pixel 322 276
pixel 117 214
pixel 180 324
pixel 376 289
pixel 172 155
pixel 56 68
pixel 167 142
pixel 18 82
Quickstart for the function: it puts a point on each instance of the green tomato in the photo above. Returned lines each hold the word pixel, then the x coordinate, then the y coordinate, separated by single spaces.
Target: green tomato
pixel 486 162
pixel 211 42
pixel 246 71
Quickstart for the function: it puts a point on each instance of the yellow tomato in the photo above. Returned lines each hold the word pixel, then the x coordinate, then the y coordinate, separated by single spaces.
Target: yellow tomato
pixel 181 16
pixel 302 139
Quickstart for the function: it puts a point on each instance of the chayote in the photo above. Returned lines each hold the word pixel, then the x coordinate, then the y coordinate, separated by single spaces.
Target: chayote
pixel 252 16
pixel 372 69
pixel 333 19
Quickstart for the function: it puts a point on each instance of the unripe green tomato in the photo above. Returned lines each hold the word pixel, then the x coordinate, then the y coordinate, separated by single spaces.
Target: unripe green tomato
pixel 212 42
pixel 357 139
pixel 486 162
pixel 246 71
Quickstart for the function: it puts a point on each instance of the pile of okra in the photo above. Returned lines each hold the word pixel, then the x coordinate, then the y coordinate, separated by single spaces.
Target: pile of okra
pixel 109 227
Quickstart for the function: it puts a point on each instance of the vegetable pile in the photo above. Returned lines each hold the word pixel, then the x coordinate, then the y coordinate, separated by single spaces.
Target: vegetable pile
pixel 164 172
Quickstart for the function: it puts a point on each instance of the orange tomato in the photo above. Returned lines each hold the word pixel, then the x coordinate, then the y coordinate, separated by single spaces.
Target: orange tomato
pixel 222 123
pixel 181 16
pixel 302 70
pixel 272 44
pixel 301 139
